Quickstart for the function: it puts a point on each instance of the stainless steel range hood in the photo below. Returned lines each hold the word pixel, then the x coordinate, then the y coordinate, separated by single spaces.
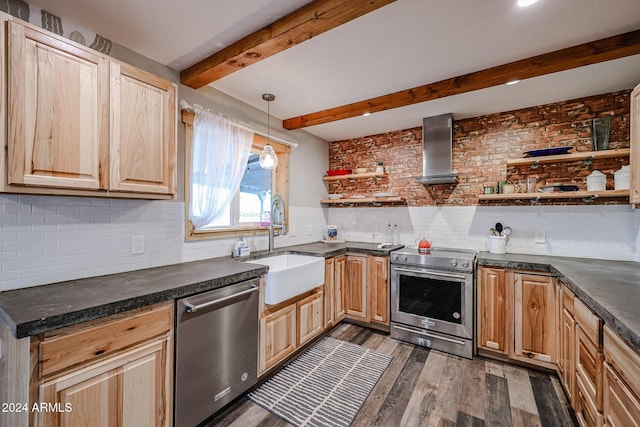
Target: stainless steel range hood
pixel 437 138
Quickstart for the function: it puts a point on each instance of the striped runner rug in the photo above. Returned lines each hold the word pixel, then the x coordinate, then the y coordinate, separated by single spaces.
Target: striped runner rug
pixel 325 386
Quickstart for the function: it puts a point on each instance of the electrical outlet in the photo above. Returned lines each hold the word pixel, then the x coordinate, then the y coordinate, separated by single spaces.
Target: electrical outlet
pixel 292 232
pixel 137 245
pixel 309 230
pixel 540 236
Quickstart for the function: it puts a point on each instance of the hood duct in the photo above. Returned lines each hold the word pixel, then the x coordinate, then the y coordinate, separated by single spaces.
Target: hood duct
pixel 437 141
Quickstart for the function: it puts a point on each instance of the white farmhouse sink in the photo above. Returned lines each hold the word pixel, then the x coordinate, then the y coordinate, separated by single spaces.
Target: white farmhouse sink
pixel 290 275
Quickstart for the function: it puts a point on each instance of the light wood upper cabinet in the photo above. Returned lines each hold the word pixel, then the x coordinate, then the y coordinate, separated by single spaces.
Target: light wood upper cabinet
pixel 357 298
pixel 535 317
pixel 143 131
pixel 58 102
pixel 494 311
pixel 81 123
pixel 378 280
pixel 634 196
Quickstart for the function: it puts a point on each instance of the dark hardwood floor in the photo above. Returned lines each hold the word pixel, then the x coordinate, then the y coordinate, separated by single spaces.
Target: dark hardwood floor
pixel 423 387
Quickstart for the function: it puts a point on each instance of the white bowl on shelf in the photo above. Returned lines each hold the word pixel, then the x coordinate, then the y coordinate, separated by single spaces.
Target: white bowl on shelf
pixel 335 196
pixel 361 170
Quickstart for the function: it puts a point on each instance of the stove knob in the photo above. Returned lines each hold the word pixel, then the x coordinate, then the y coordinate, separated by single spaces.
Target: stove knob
pixel 453 262
pixel 465 263
pixel 394 258
pixel 405 258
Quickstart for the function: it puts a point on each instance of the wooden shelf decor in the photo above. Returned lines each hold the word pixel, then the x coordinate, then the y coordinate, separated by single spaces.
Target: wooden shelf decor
pixel 373 200
pixel 586 196
pixel 354 176
pixel 586 156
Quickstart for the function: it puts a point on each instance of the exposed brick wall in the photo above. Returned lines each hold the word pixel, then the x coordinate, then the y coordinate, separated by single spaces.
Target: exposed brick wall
pixel 481 146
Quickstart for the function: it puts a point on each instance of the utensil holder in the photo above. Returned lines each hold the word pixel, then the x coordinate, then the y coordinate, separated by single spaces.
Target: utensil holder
pixel 498 244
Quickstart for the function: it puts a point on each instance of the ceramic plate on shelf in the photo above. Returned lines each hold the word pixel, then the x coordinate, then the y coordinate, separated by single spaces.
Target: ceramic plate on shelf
pixel 385 194
pixel 548 151
pixel 356 197
pixel 558 187
pixel 335 196
pixel 336 172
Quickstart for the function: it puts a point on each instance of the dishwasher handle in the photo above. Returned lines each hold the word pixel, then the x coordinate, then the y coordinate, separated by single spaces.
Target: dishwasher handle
pixel 190 308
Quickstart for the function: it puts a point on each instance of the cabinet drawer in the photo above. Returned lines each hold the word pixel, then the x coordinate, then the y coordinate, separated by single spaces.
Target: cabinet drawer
pixel 586 412
pixel 83 344
pixel 589 365
pixel 567 299
pixel 589 322
pixel 624 359
pixel 621 406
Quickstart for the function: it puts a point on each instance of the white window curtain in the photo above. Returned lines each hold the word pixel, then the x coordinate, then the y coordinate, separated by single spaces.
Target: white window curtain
pixel 221 150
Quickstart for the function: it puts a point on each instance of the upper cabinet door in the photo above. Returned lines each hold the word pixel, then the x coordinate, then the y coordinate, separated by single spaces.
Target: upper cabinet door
pixel 58 129
pixel 634 197
pixel 143 131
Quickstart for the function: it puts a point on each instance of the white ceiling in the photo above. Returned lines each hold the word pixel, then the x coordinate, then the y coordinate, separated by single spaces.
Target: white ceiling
pixel 405 44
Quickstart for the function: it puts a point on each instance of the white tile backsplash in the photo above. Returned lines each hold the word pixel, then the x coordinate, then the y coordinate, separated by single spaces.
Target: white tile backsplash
pixel 47 239
pixel 609 232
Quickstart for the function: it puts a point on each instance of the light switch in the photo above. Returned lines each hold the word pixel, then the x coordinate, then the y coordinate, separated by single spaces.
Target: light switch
pixel 540 236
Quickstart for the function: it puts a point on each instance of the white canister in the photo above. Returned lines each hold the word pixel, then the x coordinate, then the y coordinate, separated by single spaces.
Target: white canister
pixel 597 181
pixel 622 178
pixel 498 244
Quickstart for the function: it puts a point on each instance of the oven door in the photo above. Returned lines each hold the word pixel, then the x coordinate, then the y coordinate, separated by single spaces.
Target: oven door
pixel 438 300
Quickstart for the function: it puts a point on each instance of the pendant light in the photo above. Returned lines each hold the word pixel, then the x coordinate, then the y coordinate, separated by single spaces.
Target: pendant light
pixel 268 157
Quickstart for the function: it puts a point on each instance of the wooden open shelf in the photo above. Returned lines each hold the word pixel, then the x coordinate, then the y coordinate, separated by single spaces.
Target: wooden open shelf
pixel 354 176
pixel 571 157
pixel 556 195
pixel 364 201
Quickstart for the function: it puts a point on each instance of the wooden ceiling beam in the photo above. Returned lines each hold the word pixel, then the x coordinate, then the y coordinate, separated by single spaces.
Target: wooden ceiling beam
pixel 608 49
pixel 309 21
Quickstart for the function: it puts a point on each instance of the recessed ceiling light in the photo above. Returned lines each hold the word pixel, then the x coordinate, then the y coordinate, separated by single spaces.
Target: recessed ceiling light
pixel 525 3
pixel 366 114
pixel 512 82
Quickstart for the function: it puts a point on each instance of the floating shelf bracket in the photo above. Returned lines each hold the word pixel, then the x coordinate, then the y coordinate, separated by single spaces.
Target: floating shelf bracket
pixel 590 198
pixel 535 165
pixel 535 200
pixel 587 162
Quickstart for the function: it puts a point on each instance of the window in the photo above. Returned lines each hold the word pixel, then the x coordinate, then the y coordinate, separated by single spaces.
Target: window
pixel 247 213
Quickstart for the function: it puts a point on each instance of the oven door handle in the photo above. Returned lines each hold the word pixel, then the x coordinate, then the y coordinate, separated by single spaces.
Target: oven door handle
pixel 429 272
pixel 426 334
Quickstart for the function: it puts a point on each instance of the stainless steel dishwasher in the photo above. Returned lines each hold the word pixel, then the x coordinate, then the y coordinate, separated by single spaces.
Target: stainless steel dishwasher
pixel 216 350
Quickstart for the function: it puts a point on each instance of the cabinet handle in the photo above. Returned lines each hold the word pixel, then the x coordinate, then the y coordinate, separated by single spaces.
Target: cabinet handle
pixel 530 355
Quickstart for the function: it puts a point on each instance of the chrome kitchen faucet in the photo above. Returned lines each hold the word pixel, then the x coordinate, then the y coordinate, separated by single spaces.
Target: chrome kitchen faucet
pixel 277 201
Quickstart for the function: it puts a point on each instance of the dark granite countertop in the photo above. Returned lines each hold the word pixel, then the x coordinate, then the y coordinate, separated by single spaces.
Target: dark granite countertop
pixel 610 288
pixel 39 309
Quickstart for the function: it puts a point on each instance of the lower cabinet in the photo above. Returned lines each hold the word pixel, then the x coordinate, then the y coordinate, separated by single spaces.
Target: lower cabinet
pixel 367 289
pixel 277 336
pixel 310 318
pixel 517 315
pixel 357 297
pixel 287 326
pixel 334 282
pixel 127 390
pixel 534 318
pixel 114 371
pixel 567 343
pixel 621 389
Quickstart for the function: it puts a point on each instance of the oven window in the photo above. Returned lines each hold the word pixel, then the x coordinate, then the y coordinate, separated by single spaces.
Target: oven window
pixel 436 299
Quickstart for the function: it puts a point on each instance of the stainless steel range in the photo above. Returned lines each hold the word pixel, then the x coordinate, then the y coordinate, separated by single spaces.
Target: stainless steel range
pixel 432 298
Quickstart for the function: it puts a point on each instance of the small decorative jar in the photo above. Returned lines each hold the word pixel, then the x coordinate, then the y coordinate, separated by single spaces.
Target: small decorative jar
pixel 379 168
pixel 622 178
pixel 597 181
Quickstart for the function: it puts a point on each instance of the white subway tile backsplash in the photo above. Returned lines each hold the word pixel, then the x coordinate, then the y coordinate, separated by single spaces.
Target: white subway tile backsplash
pixel 47 239
pixel 609 232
